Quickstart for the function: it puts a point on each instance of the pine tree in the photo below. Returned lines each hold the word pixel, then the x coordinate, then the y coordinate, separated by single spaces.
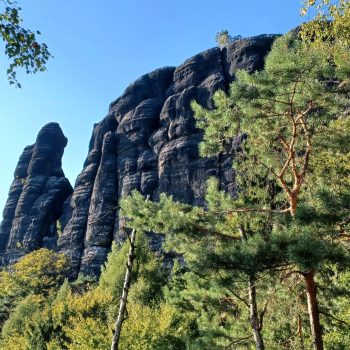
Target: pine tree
pixel 283 109
pixel 276 221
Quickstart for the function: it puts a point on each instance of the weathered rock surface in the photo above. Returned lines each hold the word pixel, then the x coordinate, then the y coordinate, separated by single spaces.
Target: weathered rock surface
pixel 149 142
pixel 36 196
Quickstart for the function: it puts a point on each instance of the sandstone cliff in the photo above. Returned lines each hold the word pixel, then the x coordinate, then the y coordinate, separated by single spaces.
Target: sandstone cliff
pixel 36 197
pixel 148 141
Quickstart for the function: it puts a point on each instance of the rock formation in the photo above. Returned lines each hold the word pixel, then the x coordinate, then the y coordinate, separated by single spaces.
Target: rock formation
pixel 148 141
pixel 36 197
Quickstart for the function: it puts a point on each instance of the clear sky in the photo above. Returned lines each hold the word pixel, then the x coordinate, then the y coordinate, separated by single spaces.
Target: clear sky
pixel 99 48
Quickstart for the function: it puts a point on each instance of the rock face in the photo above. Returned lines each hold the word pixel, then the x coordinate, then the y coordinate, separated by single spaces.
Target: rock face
pixel 149 142
pixel 36 197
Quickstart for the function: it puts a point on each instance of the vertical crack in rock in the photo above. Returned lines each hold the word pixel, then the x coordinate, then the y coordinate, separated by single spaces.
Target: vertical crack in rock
pixel 103 205
pixel 71 241
pixel 111 171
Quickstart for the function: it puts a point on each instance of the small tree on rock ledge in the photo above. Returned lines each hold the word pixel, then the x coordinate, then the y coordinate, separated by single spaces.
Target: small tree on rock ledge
pixel 224 38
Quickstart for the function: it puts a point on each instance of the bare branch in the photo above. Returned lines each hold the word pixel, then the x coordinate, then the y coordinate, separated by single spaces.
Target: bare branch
pixel 261 316
pixel 236 341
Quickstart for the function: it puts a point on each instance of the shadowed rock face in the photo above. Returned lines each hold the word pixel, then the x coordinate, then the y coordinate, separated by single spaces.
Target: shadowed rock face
pixel 36 196
pixel 149 142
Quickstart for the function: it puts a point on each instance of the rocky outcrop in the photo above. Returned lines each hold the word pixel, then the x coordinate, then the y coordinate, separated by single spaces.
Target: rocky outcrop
pixel 149 142
pixel 36 197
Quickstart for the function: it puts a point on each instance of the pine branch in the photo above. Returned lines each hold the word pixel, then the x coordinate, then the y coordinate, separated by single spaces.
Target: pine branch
pixel 334 318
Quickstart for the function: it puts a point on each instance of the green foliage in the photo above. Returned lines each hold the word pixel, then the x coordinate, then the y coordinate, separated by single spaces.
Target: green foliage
pixel 217 235
pixel 30 320
pixel 184 223
pixel 283 109
pixel 213 317
pixel 329 30
pixel 331 21
pixel 82 320
pixel 261 105
pixel 24 310
pixel 21 45
pixel 36 273
pixel 148 274
pixel 81 314
pixel 335 293
pixel 60 322
pixel 210 292
pixel 151 328
pixel 87 334
pixel 112 274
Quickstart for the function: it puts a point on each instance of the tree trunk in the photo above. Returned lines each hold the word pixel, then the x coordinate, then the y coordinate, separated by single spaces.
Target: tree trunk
pixel 313 311
pixel 124 297
pixel 293 203
pixel 253 307
pixel 253 315
pixel 300 333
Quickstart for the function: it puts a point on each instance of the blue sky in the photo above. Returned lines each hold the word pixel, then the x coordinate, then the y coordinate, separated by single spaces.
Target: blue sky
pixel 99 48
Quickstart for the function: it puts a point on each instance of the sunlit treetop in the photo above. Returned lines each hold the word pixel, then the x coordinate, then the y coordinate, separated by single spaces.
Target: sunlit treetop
pixel 331 21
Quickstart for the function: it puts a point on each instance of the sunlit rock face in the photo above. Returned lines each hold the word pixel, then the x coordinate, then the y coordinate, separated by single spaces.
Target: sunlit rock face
pixel 149 142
